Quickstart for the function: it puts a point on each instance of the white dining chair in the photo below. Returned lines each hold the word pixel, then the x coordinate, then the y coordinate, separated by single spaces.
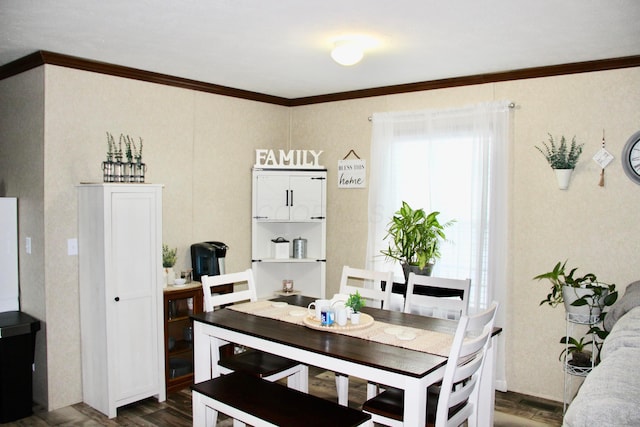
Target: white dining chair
pixel 443 297
pixel 375 288
pixel 264 365
pixel 455 399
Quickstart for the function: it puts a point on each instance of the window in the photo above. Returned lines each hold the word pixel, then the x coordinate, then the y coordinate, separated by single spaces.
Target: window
pixel 454 162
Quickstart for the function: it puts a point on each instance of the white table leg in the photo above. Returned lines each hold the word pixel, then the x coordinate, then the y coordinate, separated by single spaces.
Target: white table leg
pixel 201 353
pixel 415 403
pixel 342 387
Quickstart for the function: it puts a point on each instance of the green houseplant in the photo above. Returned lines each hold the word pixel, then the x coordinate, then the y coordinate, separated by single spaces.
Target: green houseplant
pixel 355 302
pixel 577 349
pixel 415 239
pixel 577 291
pixel 561 158
pixel 169 257
pixel 585 299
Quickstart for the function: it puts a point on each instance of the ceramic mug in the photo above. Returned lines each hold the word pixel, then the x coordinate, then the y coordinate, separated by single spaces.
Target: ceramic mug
pixel 317 306
pixel 341 316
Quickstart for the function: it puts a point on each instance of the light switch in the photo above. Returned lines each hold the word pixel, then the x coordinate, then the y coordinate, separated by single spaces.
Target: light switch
pixel 72 246
pixel 27 244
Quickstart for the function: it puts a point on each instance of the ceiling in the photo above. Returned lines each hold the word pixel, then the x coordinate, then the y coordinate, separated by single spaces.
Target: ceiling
pixel 281 47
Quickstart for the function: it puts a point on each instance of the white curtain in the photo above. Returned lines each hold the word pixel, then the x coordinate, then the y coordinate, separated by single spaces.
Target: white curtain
pixel 454 161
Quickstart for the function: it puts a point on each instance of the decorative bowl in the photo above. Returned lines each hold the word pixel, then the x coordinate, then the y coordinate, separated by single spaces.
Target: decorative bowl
pixel 180 282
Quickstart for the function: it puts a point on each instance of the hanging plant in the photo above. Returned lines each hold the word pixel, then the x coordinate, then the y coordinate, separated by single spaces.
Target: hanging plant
pixel 561 156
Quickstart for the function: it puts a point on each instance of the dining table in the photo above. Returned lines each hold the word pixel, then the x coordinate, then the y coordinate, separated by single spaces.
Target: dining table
pixel 379 362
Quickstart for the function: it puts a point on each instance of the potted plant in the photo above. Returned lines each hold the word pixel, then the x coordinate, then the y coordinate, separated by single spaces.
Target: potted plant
pixel 580 356
pixel 561 158
pixel 583 296
pixel 169 257
pixel 415 239
pixel 585 300
pixel 355 302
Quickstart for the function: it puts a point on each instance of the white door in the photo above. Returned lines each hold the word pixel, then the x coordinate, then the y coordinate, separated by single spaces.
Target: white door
pixel 133 301
pixel 306 198
pixel 272 197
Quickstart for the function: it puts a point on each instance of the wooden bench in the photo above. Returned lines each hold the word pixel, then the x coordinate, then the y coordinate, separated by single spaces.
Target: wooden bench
pixel 257 402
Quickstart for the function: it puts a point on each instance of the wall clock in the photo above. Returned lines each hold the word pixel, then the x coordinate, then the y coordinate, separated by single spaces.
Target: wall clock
pixel 631 158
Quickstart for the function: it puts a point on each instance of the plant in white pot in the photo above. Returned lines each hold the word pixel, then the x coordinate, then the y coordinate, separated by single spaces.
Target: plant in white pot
pixel 581 295
pixel 585 299
pixel 355 302
pixel 561 158
pixel 169 257
pixel 415 239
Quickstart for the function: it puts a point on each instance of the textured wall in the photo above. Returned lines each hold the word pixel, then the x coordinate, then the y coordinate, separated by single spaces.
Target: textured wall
pixel 22 176
pixel 201 147
pixel 594 227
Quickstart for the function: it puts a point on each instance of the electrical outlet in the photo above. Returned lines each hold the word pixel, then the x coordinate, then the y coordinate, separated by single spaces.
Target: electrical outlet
pixel 27 245
pixel 72 246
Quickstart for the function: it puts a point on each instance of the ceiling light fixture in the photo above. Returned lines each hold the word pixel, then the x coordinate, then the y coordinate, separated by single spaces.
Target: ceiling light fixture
pixel 347 52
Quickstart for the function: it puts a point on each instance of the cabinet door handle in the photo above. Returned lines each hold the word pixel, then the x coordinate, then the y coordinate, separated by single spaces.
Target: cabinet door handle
pixel 286 202
pixel 117 299
pixel 291 197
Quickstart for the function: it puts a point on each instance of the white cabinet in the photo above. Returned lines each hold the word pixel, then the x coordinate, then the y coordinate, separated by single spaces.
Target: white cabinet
pixel 289 196
pixel 291 204
pixel 120 264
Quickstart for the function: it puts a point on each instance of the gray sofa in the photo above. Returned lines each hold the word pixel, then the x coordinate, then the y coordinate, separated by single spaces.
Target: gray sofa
pixel 610 394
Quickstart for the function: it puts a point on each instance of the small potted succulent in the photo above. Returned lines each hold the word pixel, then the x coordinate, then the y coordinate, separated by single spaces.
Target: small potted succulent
pixel 169 257
pixel 355 302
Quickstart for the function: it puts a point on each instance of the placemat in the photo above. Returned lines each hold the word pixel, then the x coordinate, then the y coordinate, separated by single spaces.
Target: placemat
pixel 400 336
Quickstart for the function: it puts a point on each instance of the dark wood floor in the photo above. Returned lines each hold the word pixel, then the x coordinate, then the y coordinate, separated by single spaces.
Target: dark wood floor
pixel 512 409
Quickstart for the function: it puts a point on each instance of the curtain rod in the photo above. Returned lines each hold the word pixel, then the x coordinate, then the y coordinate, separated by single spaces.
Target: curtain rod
pixel 511 105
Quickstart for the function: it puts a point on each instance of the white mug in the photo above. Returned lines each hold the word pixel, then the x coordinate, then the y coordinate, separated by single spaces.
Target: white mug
pixel 341 316
pixel 317 305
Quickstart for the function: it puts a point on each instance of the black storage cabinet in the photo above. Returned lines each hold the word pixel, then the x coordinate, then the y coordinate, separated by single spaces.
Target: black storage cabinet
pixel 17 347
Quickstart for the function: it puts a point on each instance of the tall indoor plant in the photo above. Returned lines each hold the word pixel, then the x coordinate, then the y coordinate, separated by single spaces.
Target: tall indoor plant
pixel 415 239
pixel 561 158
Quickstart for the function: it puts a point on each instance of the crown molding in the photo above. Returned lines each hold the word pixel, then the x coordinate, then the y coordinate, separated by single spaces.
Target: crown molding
pixel 526 73
pixel 40 58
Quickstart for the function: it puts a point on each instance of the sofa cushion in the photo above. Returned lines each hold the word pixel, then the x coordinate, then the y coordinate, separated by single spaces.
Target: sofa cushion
pixel 610 394
pixel 624 334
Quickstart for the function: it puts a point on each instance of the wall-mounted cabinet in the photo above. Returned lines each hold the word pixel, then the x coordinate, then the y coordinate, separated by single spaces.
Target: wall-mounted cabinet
pixel 290 204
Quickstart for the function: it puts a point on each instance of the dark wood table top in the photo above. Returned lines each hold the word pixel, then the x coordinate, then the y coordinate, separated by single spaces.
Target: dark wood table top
pixel 360 351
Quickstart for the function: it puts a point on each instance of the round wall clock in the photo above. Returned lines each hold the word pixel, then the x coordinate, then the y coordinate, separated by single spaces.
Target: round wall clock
pixel 631 158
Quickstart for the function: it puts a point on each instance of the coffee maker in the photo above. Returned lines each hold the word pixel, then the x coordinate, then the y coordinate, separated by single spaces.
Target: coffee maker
pixel 207 259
